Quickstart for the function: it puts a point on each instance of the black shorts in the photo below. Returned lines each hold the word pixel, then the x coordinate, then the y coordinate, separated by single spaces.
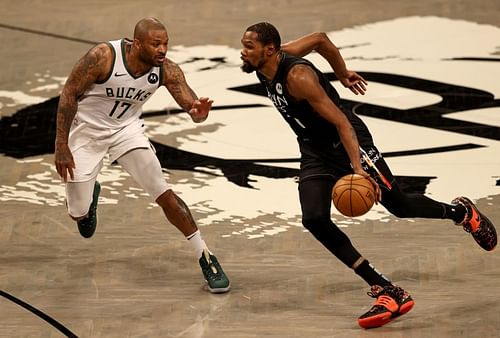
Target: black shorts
pixel 331 162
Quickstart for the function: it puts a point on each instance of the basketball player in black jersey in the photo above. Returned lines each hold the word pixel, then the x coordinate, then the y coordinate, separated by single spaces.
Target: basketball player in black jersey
pixel 334 143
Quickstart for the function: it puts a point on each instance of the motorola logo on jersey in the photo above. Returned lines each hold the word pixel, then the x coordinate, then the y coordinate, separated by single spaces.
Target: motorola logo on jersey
pixel 152 78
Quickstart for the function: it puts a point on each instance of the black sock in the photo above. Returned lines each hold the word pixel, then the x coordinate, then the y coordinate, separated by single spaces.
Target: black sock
pixel 370 275
pixel 455 212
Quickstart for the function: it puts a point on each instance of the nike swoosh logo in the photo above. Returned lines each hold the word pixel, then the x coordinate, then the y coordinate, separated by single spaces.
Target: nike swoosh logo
pixel 116 74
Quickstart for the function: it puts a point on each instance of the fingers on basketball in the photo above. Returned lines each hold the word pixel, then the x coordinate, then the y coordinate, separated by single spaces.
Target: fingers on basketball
pixel 353 195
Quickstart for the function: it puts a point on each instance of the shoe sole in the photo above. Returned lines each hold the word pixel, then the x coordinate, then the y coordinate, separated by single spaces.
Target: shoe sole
pixel 217 290
pixel 376 321
pixel 386 317
pixel 404 308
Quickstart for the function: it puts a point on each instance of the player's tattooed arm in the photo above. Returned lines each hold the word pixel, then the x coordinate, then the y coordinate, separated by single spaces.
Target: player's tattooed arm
pixel 91 67
pixel 176 84
pixel 185 97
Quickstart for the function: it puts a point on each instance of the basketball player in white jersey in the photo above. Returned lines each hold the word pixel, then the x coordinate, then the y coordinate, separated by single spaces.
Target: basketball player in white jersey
pixel 99 114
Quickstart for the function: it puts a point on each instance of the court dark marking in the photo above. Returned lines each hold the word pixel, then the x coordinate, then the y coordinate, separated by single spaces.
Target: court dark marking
pixel 178 111
pixel 422 151
pixel 454 99
pixel 52 35
pixel 40 314
pixel 433 150
pixel 31 130
pixel 473 59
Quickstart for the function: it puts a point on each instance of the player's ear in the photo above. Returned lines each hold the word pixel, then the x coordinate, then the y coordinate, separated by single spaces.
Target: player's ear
pixel 136 44
pixel 270 49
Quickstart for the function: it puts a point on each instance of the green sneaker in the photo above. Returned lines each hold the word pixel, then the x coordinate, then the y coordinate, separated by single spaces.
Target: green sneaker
pixel 215 277
pixel 87 225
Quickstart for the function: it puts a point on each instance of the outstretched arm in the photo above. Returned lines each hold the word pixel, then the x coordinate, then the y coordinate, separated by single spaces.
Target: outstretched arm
pixel 86 71
pixel 320 43
pixel 185 97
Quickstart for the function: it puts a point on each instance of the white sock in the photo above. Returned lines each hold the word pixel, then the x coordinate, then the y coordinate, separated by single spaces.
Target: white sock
pixel 198 243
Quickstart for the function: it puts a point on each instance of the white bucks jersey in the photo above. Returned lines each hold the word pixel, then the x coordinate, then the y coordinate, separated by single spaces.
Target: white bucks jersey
pixel 118 100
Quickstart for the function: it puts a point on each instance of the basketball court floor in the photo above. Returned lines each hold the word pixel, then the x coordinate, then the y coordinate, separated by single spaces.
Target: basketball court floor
pixel 432 105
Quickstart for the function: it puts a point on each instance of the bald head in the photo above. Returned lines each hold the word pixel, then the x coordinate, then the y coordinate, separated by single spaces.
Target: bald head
pixel 144 26
pixel 150 43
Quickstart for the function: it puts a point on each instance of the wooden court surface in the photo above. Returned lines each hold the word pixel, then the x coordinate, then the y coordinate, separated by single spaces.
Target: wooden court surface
pixel 137 276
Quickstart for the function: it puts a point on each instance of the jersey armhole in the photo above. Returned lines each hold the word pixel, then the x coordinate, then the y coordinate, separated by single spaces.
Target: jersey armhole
pixel 161 75
pixel 112 64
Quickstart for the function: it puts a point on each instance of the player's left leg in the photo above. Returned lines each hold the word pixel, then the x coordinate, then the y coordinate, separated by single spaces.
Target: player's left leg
pixel 407 205
pixel 391 302
pixel 143 165
pixel 477 224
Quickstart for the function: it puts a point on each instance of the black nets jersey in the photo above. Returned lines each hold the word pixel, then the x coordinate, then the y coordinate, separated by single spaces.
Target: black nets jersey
pixel 308 125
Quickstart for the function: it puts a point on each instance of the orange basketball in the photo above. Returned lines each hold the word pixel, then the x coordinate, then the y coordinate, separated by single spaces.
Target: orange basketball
pixel 353 195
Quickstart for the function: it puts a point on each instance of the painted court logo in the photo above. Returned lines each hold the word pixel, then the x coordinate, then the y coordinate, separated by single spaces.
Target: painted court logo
pixel 431 108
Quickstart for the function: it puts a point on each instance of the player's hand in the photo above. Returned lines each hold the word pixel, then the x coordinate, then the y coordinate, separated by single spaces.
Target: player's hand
pixel 200 108
pixel 378 191
pixel 355 82
pixel 64 161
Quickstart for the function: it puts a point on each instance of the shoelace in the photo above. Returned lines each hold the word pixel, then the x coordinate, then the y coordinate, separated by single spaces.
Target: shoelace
pixel 387 302
pixel 375 291
pixel 211 266
pixel 393 292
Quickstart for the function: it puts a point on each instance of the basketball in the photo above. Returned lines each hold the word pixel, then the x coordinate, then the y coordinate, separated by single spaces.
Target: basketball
pixel 353 195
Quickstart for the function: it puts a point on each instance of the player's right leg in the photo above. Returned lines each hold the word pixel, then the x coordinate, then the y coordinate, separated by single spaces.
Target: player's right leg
pixel 81 200
pixel 82 192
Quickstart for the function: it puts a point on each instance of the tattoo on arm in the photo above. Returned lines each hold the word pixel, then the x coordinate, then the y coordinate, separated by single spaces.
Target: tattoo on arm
pixel 86 71
pixel 353 134
pixel 65 114
pixel 176 84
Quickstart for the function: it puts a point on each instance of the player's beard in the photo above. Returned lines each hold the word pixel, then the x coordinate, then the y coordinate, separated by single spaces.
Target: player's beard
pixel 149 59
pixel 248 67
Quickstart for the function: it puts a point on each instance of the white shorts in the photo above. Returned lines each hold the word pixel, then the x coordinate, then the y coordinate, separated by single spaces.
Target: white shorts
pixel 89 145
pixel 141 164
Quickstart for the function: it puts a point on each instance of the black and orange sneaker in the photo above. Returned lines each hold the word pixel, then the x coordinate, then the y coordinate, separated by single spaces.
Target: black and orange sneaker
pixel 392 302
pixel 479 226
